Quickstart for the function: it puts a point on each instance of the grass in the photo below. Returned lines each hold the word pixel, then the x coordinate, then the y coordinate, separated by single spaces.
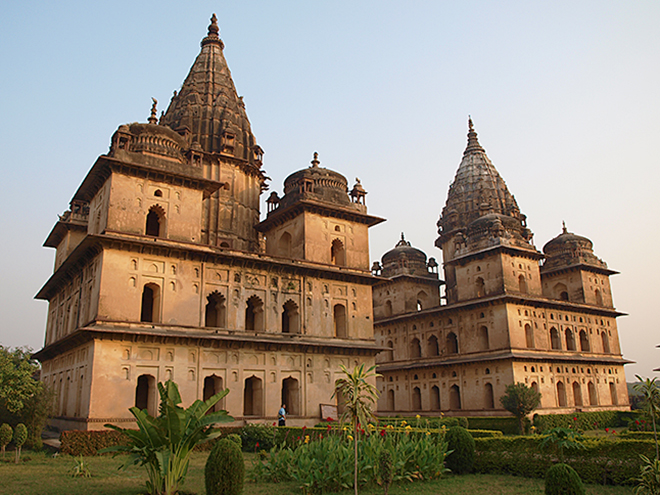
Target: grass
pixel 44 475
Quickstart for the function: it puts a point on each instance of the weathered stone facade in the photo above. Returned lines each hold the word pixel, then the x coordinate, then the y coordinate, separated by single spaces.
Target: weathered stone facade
pixel 511 315
pixel 164 271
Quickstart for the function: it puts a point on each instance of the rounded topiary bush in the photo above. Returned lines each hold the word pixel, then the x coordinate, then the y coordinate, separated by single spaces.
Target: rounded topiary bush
pixel 561 479
pixel 225 469
pixel 236 439
pixel 461 460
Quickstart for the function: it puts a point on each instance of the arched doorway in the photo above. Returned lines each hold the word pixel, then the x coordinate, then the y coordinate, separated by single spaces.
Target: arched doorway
pixel 593 398
pixel 415 349
pixel 253 397
pixel 561 394
pixel 145 394
pixel 484 343
pixel 390 400
pixel 489 397
pixel 337 253
pixel 613 395
pixel 577 394
pixel 339 319
pixel 290 318
pixel 584 341
pixel 554 339
pixel 416 399
pixel 570 340
pixel 454 397
pixel 284 245
pixel 433 347
pixel 150 303
pixel 452 343
pixel 291 395
pixel 529 336
pixel 606 342
pixel 213 386
pixel 254 314
pixel 216 311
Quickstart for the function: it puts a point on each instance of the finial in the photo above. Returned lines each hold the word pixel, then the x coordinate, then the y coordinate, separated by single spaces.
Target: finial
pixel 563 227
pixel 152 118
pixel 315 161
pixel 473 142
pixel 213 34
pixel 403 238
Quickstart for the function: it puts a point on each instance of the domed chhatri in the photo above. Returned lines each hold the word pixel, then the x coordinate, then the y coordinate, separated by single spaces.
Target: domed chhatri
pixel 404 259
pixel 316 183
pixel 569 249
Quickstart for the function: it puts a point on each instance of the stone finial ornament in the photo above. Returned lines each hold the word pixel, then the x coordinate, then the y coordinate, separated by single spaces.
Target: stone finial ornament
pixel 213 38
pixel 563 227
pixel 152 118
pixel 315 162
pixel 473 143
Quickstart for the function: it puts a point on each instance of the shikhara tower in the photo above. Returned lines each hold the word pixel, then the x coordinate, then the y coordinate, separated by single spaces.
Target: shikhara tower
pixel 164 270
pixel 512 314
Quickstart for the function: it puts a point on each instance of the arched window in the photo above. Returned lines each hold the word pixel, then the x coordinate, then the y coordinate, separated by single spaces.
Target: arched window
pixel 593 399
pixel 561 394
pixel 338 253
pixel 213 386
pixel 422 300
pixel 577 394
pixel 554 339
pixel 480 287
pixel 290 318
pixel 599 298
pixel 216 311
pixel 435 398
pixel 489 398
pixel 253 397
pixel 606 342
pixel 452 343
pixel 155 221
pixel 433 349
pixel 284 245
pixel 390 400
pixel 584 341
pixel 390 354
pixel 339 320
pixel 570 340
pixel 254 314
pixel 415 348
pixel 145 394
pixel 417 399
pixel 561 292
pixel 454 397
pixel 291 395
pixel 388 308
pixel 150 303
pixel 613 394
pixel 529 336
pixel 522 284
pixel 535 386
pixel 484 343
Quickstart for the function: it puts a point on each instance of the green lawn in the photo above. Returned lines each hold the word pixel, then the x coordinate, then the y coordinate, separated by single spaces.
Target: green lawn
pixel 45 475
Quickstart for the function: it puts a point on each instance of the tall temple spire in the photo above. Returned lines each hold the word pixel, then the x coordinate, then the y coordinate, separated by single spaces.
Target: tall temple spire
pixel 208 110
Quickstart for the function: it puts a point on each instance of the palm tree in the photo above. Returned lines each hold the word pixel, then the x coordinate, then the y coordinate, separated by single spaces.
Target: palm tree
pixel 651 394
pixel 359 398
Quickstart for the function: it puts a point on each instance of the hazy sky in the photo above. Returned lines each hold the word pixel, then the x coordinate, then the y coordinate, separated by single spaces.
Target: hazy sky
pixel 564 95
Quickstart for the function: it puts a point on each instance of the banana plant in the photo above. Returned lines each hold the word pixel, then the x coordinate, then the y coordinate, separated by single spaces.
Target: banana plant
pixel 163 444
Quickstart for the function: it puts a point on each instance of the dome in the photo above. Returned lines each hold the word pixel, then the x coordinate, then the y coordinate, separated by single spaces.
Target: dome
pixel 404 260
pixel 317 184
pixel 569 249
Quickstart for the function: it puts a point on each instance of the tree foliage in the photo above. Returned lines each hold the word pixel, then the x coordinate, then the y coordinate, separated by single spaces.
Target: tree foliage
pixel 520 400
pixel 650 403
pixel 20 436
pixel 163 444
pixel 23 398
pixel 5 437
pixel 359 397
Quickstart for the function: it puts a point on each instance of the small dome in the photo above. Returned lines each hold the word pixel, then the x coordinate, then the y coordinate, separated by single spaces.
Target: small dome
pixel 404 260
pixel 570 249
pixel 317 183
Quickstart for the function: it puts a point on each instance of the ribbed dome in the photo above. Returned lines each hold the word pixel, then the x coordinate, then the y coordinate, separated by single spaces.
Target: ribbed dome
pixel 317 184
pixel 570 249
pixel 209 108
pixel 477 190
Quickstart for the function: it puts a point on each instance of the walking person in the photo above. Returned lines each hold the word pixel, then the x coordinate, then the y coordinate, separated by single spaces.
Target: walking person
pixel 281 416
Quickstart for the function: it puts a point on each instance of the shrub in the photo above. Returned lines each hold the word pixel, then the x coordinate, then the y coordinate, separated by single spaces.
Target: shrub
pixel 461 443
pixel 585 420
pixel 508 425
pixel 88 443
pixel 225 469
pixel 5 437
pixel 385 468
pixel 236 439
pixel 20 436
pixel 253 434
pixel 648 482
pixel 561 479
pixel 463 422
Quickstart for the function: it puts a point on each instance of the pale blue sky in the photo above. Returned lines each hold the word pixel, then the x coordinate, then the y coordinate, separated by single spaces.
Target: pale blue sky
pixel 564 96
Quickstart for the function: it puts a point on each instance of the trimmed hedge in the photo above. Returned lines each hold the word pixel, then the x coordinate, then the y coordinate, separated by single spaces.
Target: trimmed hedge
pixel 603 461
pixel 585 420
pixel 506 424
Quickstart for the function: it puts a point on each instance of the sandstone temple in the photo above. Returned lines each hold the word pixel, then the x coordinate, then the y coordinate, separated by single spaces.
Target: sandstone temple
pixel 165 269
